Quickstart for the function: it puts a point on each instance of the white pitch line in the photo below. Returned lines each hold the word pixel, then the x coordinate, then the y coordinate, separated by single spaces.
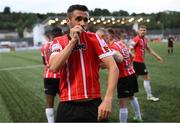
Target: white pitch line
pixel 19 68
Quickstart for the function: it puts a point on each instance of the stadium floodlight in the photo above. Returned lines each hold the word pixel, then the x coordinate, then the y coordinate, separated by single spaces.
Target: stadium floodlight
pixel 56 19
pixel 102 19
pixel 148 20
pixel 113 22
pixel 122 22
pixel 113 19
pixel 91 19
pixel 98 21
pixel 140 19
pixel 108 21
pixel 104 22
pixel 94 22
pixel 131 20
pixel 118 20
pixel 51 22
pixel 62 23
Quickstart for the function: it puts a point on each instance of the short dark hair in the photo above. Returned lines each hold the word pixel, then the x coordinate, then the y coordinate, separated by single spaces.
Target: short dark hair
pixel 111 31
pixel 57 31
pixel 76 7
pixel 142 26
pixel 101 31
pixel 47 32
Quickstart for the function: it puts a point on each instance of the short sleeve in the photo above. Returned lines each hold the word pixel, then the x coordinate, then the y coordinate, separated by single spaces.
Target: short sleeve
pixel 42 51
pixel 101 47
pixel 55 46
pixel 146 41
pixel 132 43
pixel 135 39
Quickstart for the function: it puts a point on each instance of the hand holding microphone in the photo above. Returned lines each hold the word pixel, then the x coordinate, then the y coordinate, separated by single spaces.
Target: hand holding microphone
pixel 75 33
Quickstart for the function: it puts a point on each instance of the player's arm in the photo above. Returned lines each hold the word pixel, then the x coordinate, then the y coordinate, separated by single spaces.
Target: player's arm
pixel 58 59
pixel 43 60
pixel 105 107
pixel 131 44
pixel 173 39
pixel 131 55
pixel 152 52
pixel 42 55
pixel 102 65
pixel 117 56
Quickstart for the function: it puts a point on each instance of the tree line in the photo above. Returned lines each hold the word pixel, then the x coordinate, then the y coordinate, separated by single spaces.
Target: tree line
pixel 19 21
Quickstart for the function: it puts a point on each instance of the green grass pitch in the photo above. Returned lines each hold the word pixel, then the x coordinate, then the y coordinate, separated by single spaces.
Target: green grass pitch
pixel 22 97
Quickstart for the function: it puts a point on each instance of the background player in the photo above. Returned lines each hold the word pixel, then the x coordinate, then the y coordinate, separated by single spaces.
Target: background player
pixel 127 82
pixel 139 44
pixel 51 80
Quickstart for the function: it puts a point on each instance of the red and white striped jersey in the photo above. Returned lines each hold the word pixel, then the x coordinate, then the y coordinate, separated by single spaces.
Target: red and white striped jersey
pixel 139 48
pixel 80 74
pixel 45 53
pixel 126 66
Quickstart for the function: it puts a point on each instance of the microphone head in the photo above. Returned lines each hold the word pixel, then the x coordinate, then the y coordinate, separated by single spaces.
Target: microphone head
pixel 79 34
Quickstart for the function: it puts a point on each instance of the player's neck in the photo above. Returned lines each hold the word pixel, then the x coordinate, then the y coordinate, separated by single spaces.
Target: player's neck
pixel 110 42
pixel 141 36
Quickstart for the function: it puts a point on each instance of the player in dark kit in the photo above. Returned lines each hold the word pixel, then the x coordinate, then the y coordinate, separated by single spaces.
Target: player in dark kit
pixel 170 44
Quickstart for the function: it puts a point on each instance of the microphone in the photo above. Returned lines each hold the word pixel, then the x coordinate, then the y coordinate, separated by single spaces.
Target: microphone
pixel 83 30
pixel 79 34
